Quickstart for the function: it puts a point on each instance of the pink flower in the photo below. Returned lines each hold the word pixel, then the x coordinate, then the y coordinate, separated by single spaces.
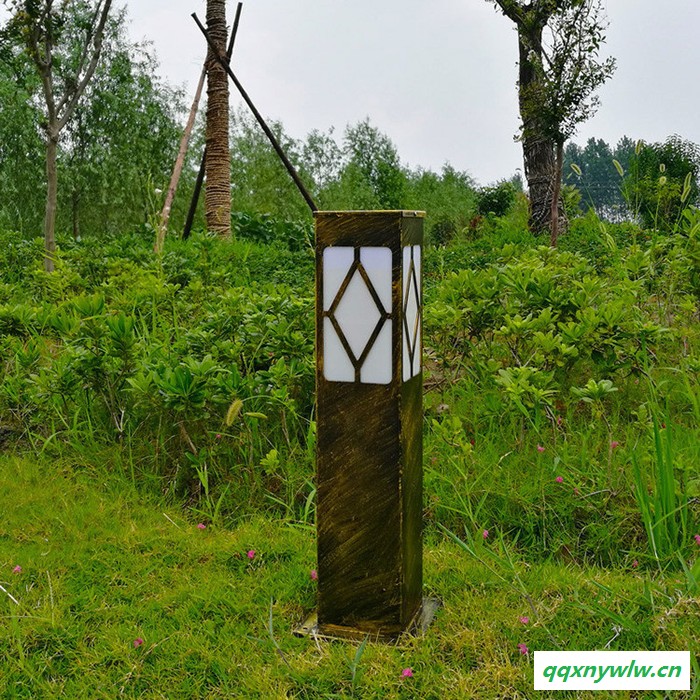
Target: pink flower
pixel 540 448
pixel 407 673
pixel 697 538
pixel 614 444
pixel 523 648
pixel 218 436
pixel 17 569
pixel 559 479
pixel 485 534
pixel 138 642
pixel 251 554
pixel 201 526
pixel 524 620
pixel 635 564
pixel 314 575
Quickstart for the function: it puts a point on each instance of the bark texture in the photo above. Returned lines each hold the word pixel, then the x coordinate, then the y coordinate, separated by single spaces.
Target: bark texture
pixel 538 150
pixel 217 198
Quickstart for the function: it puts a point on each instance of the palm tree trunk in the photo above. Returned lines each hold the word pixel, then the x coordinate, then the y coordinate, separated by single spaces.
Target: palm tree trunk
pixel 217 198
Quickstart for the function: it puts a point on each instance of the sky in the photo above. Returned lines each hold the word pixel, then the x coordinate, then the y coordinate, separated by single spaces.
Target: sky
pixel 438 77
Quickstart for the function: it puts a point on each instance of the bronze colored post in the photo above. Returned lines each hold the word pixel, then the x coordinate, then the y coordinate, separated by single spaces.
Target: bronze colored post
pixel 369 450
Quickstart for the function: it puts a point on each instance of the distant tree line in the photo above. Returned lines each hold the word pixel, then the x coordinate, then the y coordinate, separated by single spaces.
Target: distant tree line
pixel 648 182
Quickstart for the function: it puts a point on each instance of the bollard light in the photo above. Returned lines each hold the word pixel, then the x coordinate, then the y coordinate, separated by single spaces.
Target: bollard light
pixel 369 445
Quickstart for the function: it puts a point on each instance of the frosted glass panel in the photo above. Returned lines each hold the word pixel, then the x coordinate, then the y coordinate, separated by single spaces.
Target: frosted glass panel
pixel 406 254
pixel 336 263
pixel 336 363
pixel 417 265
pixel 412 311
pixel 377 264
pixel 357 314
pixel 417 359
pixel 377 367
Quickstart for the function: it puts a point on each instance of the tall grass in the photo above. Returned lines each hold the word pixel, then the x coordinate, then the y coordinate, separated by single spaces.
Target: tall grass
pixel 665 509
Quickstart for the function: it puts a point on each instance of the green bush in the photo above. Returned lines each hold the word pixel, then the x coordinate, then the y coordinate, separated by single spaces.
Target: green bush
pixel 496 199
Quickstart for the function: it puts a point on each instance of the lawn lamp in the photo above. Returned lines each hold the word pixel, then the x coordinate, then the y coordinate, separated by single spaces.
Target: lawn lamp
pixel 369 450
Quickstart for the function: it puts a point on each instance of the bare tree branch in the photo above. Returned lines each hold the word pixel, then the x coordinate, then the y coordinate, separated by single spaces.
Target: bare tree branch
pixel 91 34
pixel 96 50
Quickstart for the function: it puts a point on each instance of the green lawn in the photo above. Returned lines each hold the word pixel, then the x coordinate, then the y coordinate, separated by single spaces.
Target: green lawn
pixel 103 567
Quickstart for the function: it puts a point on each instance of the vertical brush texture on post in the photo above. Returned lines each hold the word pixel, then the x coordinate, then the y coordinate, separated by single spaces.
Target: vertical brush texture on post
pixel 369 460
pixel 218 165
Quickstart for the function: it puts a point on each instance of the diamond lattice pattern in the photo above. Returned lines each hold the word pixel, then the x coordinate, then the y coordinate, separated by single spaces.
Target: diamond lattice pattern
pixel 357 314
pixel 412 307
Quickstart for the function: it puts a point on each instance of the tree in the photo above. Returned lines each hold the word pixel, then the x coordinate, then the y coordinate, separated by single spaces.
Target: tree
pixel 558 44
pixel 21 148
pixel 64 45
pixel 114 153
pixel 217 197
pixel 322 158
pixel 120 145
pixel 592 170
pixel 448 198
pixel 661 180
pixel 261 184
pixel 376 160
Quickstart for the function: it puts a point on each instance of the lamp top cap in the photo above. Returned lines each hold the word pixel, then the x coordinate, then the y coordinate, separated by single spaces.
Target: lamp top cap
pixel 407 213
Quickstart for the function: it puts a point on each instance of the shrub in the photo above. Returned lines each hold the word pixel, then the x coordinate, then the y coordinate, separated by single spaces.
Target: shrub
pixel 496 199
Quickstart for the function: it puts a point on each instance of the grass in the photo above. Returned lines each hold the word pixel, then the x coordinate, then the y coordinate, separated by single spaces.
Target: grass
pixel 158 394
pixel 104 565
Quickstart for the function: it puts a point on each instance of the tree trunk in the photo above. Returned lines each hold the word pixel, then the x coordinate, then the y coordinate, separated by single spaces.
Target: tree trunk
pixel 217 197
pixel 556 196
pixel 51 199
pixel 538 150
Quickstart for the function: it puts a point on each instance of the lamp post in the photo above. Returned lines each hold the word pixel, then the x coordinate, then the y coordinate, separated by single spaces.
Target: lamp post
pixel 369 451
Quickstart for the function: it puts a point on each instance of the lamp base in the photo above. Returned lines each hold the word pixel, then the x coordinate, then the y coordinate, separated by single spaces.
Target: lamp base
pixel 418 627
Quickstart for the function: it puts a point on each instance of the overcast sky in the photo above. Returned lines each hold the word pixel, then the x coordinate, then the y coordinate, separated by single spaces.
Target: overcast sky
pixel 437 76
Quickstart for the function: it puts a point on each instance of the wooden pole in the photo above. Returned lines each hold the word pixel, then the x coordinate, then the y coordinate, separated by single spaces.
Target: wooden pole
pixel 179 163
